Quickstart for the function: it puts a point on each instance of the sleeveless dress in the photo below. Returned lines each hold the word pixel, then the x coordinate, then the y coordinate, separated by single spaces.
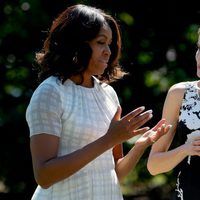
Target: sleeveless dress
pixel 77 115
pixel 188 177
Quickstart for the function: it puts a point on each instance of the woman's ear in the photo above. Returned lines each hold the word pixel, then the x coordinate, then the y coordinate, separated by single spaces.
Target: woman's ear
pixel 83 54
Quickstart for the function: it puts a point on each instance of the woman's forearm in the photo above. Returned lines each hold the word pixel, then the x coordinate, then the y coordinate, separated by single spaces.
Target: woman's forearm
pixel 128 162
pixel 58 168
pixel 161 162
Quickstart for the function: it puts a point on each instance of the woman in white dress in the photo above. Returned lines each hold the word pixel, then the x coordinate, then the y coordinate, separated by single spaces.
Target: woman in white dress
pixel 74 115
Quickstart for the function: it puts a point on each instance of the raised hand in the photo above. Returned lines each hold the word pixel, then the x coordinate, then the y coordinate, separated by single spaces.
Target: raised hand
pixel 122 129
pixel 154 134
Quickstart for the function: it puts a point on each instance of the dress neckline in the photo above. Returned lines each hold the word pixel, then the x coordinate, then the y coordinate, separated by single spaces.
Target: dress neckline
pixel 95 81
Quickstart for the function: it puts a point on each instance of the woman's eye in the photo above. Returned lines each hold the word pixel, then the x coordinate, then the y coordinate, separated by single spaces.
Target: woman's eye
pixel 100 42
pixel 103 43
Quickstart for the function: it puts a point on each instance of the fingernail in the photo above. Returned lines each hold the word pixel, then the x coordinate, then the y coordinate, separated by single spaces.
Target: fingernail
pixel 142 107
pixel 150 111
pixel 150 116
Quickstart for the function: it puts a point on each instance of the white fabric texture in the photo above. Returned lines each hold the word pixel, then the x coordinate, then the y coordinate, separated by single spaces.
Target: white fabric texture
pixel 78 115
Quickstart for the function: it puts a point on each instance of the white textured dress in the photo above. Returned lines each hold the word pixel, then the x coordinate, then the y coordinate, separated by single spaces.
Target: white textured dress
pixel 77 115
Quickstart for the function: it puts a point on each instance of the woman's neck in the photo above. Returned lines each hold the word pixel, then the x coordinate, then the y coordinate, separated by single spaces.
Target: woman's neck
pixel 86 82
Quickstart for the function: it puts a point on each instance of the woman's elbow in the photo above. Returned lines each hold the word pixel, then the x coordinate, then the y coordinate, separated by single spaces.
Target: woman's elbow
pixel 151 169
pixel 43 183
pixel 42 180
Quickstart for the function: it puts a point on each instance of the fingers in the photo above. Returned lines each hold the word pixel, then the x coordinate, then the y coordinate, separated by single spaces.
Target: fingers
pixel 159 132
pixel 164 129
pixel 135 119
pixel 133 113
pixel 141 119
pixel 159 124
pixel 131 125
pixel 195 148
pixel 168 127
pixel 197 139
pixel 140 131
pixel 161 128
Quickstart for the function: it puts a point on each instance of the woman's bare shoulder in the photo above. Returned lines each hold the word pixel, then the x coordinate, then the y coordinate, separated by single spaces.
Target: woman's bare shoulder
pixel 177 90
pixel 178 87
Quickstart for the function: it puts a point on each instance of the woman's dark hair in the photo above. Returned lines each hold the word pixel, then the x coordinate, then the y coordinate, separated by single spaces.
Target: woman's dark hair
pixel 66 51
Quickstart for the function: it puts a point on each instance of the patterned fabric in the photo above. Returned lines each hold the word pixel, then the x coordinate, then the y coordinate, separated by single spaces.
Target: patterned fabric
pixel 188 179
pixel 77 115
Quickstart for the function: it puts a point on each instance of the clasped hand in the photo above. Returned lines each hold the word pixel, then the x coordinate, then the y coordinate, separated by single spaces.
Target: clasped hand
pixel 192 148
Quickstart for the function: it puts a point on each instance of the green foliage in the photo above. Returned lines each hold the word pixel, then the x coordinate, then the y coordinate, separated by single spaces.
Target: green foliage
pixel 126 18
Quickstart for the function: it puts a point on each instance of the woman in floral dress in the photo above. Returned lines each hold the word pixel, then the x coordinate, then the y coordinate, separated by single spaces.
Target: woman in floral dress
pixel 182 110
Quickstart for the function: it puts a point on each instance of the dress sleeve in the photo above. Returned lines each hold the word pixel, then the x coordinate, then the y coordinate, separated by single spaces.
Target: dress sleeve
pixel 114 96
pixel 44 111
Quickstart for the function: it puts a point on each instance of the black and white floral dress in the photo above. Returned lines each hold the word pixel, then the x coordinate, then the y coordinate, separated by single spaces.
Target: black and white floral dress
pixel 188 176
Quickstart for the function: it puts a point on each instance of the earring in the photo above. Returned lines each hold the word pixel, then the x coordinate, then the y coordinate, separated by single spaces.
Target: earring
pixel 75 58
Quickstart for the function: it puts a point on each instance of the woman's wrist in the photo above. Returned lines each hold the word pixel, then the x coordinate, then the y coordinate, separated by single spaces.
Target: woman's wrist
pixel 140 147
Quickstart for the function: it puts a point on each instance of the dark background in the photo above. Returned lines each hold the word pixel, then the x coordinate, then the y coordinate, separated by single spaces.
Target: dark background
pixel 159 46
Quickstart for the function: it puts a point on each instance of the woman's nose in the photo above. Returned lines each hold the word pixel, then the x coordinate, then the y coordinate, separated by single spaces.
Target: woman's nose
pixel 107 50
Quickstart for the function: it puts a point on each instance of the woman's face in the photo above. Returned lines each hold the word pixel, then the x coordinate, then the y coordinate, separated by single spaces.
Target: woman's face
pixel 100 51
pixel 197 57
